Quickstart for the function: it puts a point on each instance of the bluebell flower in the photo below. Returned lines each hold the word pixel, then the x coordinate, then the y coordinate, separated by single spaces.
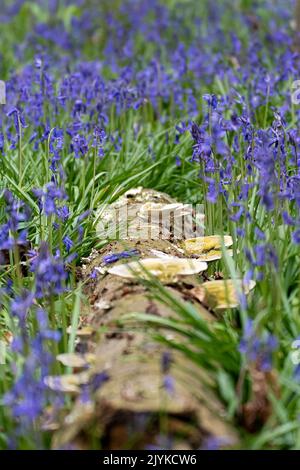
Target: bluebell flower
pixel 21 304
pixel 2 143
pixel 28 395
pixel 211 100
pixel 79 145
pixel 94 274
pixel 166 361
pixel 169 384
pixel 215 443
pixel 63 213
pixel 109 259
pixel 18 119
pixel 50 198
pixel 258 349
pixel 68 243
pixel 98 380
pixel 296 236
pixel 296 373
pixel 50 273
pixel 177 160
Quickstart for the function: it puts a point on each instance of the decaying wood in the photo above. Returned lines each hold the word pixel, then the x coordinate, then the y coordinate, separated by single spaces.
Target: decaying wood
pixel 132 407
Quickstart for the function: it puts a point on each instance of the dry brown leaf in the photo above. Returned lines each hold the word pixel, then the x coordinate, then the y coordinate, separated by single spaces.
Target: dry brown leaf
pixel 256 412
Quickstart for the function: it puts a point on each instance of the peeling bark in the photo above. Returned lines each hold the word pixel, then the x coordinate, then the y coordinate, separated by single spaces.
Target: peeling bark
pixel 132 407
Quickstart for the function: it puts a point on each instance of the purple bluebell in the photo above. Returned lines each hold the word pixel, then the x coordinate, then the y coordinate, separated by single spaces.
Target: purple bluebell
pixel 257 348
pixel 50 273
pixel 50 198
pixel 109 259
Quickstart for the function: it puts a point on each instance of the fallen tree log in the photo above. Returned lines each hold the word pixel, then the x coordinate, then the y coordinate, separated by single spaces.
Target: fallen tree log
pixel 142 392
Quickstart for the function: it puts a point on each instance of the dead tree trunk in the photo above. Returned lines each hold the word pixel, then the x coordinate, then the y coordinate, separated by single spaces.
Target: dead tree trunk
pixel 132 407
